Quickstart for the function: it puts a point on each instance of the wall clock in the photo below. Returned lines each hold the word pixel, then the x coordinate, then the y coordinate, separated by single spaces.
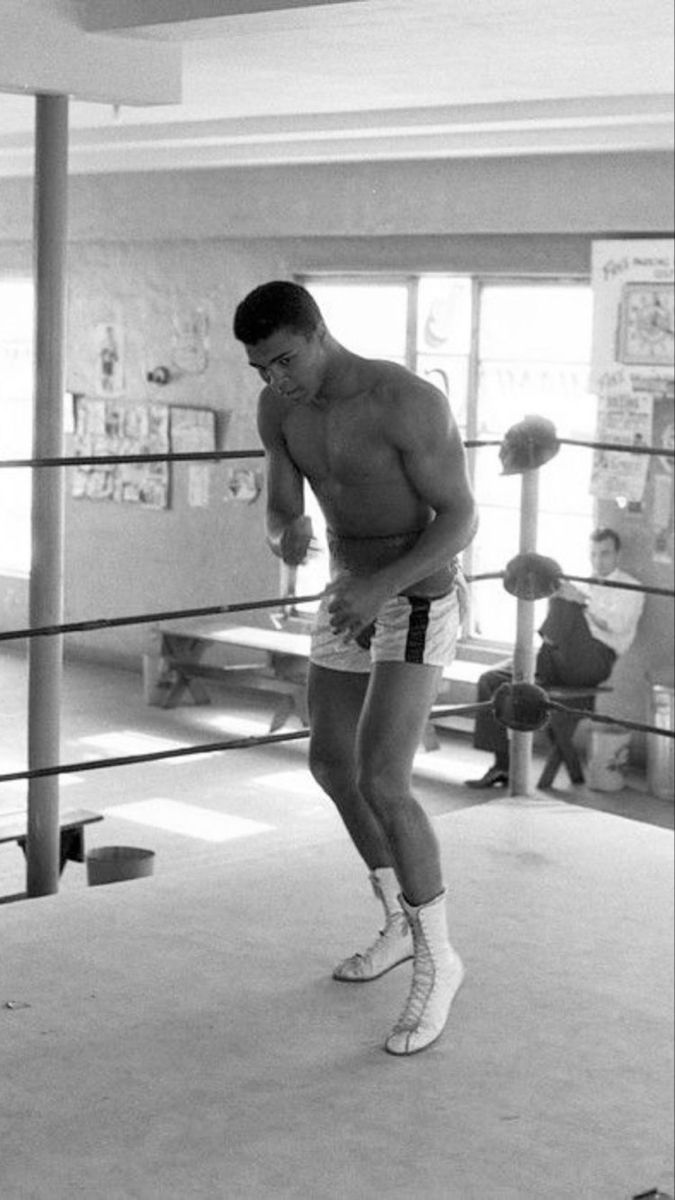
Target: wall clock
pixel 647 324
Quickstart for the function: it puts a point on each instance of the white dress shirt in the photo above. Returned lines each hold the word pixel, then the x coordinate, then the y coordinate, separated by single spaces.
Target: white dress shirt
pixel 613 614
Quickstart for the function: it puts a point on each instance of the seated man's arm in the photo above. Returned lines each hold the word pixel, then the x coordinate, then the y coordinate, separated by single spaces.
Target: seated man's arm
pixel 617 614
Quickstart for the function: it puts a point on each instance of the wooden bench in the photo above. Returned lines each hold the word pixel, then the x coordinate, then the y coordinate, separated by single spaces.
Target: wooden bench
pixel 14 828
pixel 283 669
pixel 560 732
pixel 283 672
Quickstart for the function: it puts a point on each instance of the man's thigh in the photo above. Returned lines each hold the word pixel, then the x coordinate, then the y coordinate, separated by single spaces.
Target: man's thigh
pixel 335 700
pixel 395 712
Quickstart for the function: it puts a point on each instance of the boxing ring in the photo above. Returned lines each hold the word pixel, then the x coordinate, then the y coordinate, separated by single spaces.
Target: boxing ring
pixel 522 706
pixel 525 449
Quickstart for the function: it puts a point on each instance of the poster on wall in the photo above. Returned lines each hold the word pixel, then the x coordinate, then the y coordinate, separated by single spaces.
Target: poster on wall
pixel 109 359
pixel 661 486
pixel 190 341
pixel 625 417
pixel 632 369
pixel 193 430
pixel 112 427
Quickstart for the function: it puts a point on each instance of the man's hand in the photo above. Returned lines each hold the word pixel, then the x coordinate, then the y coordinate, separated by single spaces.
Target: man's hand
pixel 296 541
pixel 355 603
pixel 567 591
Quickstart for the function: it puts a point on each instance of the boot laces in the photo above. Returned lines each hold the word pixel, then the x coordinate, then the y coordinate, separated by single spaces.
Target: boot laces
pixel 424 977
pixel 396 925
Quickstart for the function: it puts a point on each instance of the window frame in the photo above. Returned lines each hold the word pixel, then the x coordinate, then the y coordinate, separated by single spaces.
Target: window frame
pixel 479 281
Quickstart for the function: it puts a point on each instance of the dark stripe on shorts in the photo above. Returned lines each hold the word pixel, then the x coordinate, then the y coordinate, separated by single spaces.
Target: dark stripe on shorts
pixel 420 608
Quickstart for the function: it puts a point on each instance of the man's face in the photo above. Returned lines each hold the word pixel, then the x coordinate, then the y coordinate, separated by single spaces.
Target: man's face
pixel 604 557
pixel 291 363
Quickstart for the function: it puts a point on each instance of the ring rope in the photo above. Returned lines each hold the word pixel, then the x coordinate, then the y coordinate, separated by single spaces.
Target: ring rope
pixel 618 447
pixel 150 618
pixel 605 583
pixel 625 587
pixel 296 735
pixel 96 460
pixel 602 719
pixel 555 706
pixel 106 460
pixel 99 764
pixel 215 610
pixel 102 623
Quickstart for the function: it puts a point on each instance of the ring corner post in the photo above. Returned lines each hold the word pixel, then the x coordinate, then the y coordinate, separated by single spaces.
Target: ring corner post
pixel 46 579
pixel 520 774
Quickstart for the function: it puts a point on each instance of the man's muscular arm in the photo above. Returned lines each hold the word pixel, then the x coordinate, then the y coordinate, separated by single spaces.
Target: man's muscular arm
pixel 289 531
pixel 426 436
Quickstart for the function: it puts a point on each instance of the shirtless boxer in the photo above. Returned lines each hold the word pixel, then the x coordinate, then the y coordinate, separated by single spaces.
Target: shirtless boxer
pixel 382 454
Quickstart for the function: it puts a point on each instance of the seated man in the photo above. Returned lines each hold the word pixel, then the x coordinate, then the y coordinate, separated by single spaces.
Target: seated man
pixel 583 635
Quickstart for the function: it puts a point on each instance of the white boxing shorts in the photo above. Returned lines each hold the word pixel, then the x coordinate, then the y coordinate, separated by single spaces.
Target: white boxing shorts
pixel 413 629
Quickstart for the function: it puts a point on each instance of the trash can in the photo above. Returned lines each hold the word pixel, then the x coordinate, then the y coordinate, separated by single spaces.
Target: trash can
pixel 661 750
pixel 609 754
pixel 116 864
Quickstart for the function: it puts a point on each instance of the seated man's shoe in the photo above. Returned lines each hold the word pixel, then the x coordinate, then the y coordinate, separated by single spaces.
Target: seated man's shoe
pixel 494 777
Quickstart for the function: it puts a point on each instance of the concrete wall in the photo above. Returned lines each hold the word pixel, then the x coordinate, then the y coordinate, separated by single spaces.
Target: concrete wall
pixel 143 245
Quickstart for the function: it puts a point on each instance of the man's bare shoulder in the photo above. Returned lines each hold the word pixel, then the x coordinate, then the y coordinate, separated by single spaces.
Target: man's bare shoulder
pixel 271 412
pixel 405 397
pixel 397 383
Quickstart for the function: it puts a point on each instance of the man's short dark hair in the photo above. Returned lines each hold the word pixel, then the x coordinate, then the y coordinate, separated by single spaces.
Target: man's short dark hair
pixel 273 306
pixel 607 535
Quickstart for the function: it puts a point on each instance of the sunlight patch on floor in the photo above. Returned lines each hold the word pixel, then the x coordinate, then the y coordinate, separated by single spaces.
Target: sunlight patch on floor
pixel 229 725
pixel 128 741
pixel 187 819
pixel 296 783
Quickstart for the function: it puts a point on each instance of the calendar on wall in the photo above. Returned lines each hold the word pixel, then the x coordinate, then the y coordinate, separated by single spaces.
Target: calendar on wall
pixel 633 364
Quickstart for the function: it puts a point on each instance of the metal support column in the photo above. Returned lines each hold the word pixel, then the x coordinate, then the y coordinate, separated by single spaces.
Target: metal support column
pixel 46 581
pixel 520 777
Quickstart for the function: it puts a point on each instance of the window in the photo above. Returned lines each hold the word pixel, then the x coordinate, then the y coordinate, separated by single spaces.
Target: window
pixel 16 391
pixel 499 349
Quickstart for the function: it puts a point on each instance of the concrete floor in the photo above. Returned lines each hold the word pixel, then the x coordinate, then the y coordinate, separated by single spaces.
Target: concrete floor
pixel 180 1037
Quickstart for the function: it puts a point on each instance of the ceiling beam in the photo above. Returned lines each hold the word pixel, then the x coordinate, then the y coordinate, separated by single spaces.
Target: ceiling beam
pixel 43 49
pixel 610 124
pixel 101 15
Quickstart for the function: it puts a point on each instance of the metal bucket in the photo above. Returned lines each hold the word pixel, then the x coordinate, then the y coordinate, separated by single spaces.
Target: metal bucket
pixel 661 750
pixel 609 754
pixel 116 864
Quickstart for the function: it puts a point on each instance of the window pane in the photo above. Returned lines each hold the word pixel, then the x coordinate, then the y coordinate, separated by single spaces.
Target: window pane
pixel 16 387
pixel 444 320
pixel 538 323
pixel 450 375
pixel 368 318
pixel 534 359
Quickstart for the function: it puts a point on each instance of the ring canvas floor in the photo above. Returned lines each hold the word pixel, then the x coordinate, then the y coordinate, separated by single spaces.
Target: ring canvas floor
pixel 180 1036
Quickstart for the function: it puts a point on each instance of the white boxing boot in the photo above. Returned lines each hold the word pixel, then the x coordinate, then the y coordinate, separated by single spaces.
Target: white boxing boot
pixel 437 977
pixel 394 943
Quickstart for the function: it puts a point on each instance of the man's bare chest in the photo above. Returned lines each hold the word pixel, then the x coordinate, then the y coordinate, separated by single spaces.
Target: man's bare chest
pixel 349 445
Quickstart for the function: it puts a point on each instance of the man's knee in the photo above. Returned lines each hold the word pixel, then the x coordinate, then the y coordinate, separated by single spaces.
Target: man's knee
pixel 332 769
pixel 382 781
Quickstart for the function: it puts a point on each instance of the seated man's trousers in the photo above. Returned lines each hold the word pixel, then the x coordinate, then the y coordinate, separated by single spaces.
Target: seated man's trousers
pixel 570 657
